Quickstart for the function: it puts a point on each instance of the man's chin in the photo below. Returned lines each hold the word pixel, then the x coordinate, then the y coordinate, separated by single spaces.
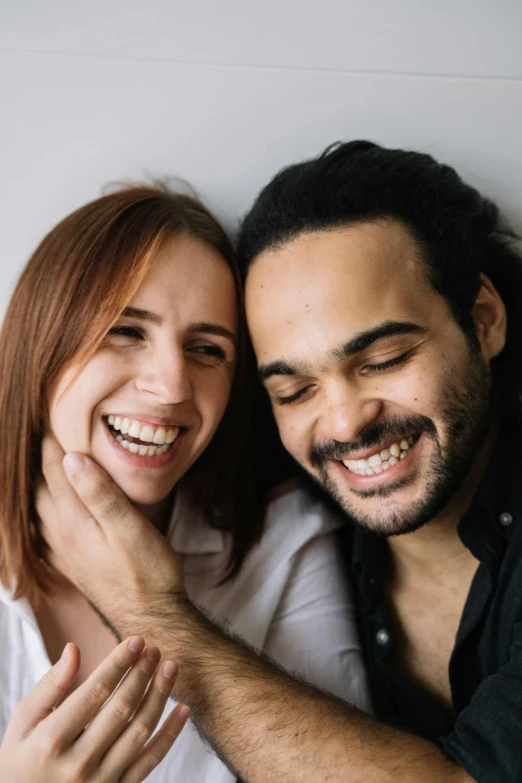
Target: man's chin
pixel 388 527
pixel 387 516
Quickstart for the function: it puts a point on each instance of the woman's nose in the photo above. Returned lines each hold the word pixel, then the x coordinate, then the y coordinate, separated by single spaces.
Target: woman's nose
pixel 166 377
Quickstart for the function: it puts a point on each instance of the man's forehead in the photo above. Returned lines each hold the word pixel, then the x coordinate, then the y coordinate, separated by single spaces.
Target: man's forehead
pixel 322 289
pixel 349 267
pixel 358 253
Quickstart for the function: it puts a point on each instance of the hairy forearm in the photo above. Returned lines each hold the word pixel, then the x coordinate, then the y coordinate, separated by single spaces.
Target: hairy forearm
pixel 269 726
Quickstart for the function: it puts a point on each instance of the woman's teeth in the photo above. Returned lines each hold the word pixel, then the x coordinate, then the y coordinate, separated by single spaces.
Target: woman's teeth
pixel 380 461
pixel 155 440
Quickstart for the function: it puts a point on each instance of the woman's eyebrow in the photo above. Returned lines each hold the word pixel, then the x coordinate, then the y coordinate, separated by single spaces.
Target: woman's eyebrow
pixel 207 328
pixel 142 315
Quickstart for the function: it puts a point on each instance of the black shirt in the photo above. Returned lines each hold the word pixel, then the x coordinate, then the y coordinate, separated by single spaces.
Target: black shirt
pixel 483 734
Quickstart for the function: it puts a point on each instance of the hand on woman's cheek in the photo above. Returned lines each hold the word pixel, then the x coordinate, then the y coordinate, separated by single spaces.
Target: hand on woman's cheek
pixel 101 542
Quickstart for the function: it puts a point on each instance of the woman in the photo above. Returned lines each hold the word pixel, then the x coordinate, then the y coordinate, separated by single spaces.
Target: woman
pixel 125 338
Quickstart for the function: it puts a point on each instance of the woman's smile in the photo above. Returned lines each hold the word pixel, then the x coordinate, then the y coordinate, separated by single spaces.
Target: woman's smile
pixel 142 442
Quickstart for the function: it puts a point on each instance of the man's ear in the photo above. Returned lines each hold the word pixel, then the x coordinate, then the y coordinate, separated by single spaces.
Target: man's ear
pixel 489 314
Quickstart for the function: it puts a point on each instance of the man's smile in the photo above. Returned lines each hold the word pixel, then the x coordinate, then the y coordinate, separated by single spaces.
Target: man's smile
pixel 380 460
pixel 391 472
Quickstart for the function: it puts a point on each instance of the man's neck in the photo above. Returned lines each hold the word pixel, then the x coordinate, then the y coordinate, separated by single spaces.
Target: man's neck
pixel 436 550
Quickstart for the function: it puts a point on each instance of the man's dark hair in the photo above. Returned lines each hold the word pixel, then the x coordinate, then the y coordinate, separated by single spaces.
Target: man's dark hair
pixel 459 233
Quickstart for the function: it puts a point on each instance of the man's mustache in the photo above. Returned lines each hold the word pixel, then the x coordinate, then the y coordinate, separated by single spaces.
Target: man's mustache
pixel 392 430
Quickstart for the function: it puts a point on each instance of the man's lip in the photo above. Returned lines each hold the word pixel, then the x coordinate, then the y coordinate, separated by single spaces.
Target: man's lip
pixel 377 449
pixel 146 419
pixel 398 469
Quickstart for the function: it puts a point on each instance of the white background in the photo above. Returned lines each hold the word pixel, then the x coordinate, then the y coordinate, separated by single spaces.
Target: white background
pixel 225 92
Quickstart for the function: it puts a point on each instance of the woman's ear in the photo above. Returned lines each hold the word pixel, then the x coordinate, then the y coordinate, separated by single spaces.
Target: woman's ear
pixel 489 314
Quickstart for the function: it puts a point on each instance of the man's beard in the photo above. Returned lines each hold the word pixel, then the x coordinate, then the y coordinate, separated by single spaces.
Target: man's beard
pixel 466 417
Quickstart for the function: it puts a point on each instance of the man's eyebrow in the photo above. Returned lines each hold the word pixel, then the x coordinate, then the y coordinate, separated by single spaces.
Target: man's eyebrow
pixel 142 315
pixel 219 331
pixel 353 346
pixel 280 367
pixel 364 339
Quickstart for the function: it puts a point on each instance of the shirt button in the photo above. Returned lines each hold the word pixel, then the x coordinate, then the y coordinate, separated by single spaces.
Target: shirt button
pixel 506 519
pixel 383 637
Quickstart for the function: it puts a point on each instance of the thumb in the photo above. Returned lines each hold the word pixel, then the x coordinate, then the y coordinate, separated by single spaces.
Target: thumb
pixel 99 493
pixel 47 694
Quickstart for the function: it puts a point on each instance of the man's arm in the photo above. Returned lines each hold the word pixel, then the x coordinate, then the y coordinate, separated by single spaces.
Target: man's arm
pixel 270 727
pixel 264 724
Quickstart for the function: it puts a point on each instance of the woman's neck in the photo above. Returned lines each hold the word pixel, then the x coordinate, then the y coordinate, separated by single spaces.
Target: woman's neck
pixel 159 513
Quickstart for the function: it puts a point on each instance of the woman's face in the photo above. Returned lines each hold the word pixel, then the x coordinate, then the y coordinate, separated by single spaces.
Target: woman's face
pixel 149 401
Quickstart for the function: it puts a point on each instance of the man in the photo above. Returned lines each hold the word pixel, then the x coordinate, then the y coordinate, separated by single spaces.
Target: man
pixel 377 287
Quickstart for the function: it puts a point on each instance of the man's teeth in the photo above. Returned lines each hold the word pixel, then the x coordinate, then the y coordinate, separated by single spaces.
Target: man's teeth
pixel 380 461
pixel 161 437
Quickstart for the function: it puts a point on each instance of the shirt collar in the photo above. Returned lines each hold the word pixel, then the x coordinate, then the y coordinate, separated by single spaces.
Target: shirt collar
pixel 189 531
pixel 20 606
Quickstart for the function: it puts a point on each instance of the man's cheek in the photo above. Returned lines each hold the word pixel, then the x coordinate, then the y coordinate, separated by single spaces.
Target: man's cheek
pixel 293 440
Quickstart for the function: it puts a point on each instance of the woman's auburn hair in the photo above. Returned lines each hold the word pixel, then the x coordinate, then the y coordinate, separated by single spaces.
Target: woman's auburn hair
pixel 73 289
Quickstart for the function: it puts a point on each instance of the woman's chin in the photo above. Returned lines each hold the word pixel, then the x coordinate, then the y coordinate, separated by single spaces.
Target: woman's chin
pixel 145 496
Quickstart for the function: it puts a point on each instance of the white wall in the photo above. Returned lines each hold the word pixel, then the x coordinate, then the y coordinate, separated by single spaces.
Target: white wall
pixel 225 92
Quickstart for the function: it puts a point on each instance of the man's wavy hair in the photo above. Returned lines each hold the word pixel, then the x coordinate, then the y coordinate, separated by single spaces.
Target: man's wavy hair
pixel 460 234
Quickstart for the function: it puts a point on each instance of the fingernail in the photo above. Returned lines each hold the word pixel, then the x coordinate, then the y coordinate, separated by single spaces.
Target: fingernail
pixel 183 713
pixel 136 644
pixel 73 463
pixel 153 654
pixel 170 670
pixel 66 654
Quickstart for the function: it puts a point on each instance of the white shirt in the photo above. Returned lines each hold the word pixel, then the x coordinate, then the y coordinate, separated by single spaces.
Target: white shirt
pixel 291 600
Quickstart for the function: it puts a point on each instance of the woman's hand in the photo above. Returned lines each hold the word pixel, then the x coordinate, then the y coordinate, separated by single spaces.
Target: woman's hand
pixel 87 739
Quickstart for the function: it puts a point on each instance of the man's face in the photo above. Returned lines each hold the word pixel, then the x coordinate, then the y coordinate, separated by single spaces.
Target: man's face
pixel 376 391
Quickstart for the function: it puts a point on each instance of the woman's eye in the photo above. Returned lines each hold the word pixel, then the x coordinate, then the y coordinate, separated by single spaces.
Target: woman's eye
pixel 382 366
pixel 212 351
pixel 127 331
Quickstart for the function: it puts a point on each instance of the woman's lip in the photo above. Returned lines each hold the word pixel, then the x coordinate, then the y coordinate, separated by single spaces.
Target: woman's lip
pixel 145 419
pixel 392 472
pixel 138 461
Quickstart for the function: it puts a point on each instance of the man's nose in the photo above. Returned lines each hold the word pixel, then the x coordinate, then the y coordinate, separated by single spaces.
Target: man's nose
pixel 347 413
pixel 166 376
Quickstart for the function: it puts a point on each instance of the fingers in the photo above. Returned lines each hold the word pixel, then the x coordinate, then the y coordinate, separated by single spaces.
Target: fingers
pixel 158 747
pixel 70 719
pixel 130 745
pixel 46 695
pixel 52 546
pixel 60 500
pixel 98 492
pixel 114 717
